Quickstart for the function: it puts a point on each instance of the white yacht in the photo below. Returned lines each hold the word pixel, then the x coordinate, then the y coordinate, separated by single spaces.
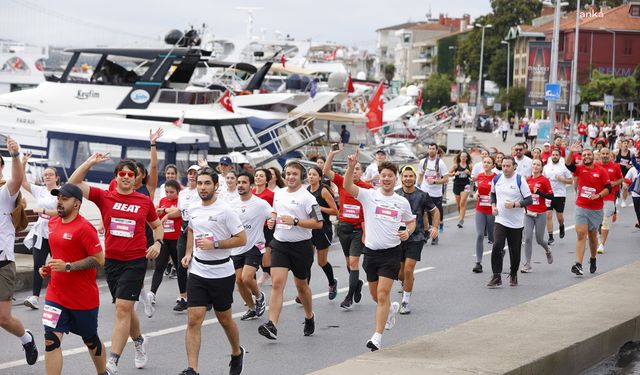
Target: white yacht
pixel 21 65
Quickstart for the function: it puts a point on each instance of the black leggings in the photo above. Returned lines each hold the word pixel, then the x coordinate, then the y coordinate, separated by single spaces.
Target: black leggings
pixel 182 248
pixel 39 260
pixel 636 207
pixel 169 249
pixel 513 237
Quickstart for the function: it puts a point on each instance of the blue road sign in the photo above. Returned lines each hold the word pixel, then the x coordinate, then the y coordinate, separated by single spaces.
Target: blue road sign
pixel 552 92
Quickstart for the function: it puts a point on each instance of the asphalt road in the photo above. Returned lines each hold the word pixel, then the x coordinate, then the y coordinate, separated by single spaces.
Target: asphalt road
pixel 446 293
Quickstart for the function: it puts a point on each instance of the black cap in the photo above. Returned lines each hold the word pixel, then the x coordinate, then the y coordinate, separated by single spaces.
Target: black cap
pixel 381 151
pixel 68 190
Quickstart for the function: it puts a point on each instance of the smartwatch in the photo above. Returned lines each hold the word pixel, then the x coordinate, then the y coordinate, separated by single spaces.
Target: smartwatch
pixel 216 244
pixel 67 267
pixel 295 221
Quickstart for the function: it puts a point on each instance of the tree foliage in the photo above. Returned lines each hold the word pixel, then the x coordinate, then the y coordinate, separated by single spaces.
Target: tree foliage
pixel 624 88
pixel 437 91
pixel 515 98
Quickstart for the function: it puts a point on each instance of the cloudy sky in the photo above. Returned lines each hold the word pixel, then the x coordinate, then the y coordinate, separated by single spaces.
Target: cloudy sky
pixel 140 22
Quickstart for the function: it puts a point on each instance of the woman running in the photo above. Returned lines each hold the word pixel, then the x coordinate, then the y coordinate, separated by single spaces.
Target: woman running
pixel 461 173
pixel 262 179
pixel 535 218
pixel 170 173
pixel 484 214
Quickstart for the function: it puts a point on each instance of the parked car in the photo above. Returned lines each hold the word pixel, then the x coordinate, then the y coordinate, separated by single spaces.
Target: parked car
pixel 484 123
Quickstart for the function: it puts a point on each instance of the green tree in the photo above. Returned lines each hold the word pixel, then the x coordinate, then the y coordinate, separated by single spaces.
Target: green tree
pixel 515 98
pixel 389 70
pixel 437 91
pixel 624 88
pixel 497 70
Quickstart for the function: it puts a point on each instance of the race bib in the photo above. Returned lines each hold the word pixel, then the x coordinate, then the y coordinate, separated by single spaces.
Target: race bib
pixel 547 202
pixel 281 225
pixel 467 188
pixel 485 200
pixel 387 214
pixel 261 247
pixel 203 236
pixel 50 316
pixel 351 211
pixel 536 199
pixel 624 161
pixel 463 175
pixel 44 216
pixel 122 227
pixel 586 192
pixel 169 226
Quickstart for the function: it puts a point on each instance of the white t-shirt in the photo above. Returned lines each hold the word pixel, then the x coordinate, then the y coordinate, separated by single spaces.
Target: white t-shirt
pixel 45 200
pixel 187 197
pixel 370 172
pixel 7 230
pixel 215 222
pixel 252 214
pixel 477 169
pixel 227 195
pixel 383 216
pixel 592 131
pixel 507 190
pixel 430 173
pixel 631 175
pixel 551 170
pixel 297 204
pixel 524 166
pixel 504 125
pixel 533 129
pixel 222 184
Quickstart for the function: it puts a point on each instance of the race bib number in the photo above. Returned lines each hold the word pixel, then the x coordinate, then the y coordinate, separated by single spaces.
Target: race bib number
pixel 281 225
pixel 261 247
pixel 463 175
pixel 203 236
pixel 387 214
pixel 536 199
pixel 169 226
pixel 122 227
pixel 351 211
pixel 50 316
pixel 467 188
pixel 485 200
pixel 586 192
pixel 547 202
pixel 624 162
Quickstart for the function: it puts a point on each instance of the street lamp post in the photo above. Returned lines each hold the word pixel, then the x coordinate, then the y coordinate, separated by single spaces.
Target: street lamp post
pixel 554 60
pixel 479 92
pixel 574 76
pixel 613 61
pixel 508 74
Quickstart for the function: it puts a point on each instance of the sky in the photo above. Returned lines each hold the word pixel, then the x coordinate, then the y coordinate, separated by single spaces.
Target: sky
pixel 144 22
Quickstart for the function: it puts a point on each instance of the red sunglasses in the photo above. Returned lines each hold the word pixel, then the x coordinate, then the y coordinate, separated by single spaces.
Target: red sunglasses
pixel 126 173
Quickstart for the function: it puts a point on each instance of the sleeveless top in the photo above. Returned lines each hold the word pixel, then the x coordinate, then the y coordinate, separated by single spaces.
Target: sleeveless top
pixel 624 161
pixel 463 179
pixel 323 203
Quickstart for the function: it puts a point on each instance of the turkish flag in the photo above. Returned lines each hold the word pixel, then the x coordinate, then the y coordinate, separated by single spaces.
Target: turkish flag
pixel 419 100
pixel 225 101
pixel 283 60
pixel 350 84
pixel 374 114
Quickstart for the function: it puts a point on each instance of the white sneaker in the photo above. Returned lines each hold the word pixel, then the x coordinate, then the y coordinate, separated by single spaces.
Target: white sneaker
pixel 141 353
pixel 374 343
pixel 623 204
pixel 601 249
pixel 112 368
pixel 147 300
pixel 153 299
pixel 391 318
pixel 526 268
pixel 32 302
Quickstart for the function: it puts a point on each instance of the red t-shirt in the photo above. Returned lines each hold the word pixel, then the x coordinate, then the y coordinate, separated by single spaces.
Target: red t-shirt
pixel 70 242
pixel 266 194
pixel 615 173
pixel 542 184
pixel 350 208
pixel 124 218
pixel 483 204
pixel 577 158
pixel 582 129
pixel 544 156
pixel 590 181
pixel 171 226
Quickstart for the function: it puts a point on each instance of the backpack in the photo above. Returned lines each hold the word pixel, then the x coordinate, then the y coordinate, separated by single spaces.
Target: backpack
pixel 18 214
pixel 424 166
pixel 518 181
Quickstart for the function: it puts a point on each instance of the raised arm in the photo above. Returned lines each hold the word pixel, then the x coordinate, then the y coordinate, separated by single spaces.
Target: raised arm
pixel 569 162
pixel 17 170
pixel 25 184
pixel 77 178
pixel 326 169
pixel 348 184
pixel 152 178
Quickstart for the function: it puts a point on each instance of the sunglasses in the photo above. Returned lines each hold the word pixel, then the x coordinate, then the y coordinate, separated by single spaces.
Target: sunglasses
pixel 126 173
pixel 519 149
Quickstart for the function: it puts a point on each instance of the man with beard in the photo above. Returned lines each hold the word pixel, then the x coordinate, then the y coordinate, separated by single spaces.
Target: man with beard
pixel 559 176
pixel 609 209
pixel 72 299
pixel 593 186
pixel 432 174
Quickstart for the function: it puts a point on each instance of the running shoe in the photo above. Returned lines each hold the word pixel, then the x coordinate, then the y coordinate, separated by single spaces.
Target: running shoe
pixel 391 318
pixel 614 217
pixel 551 242
pixel 441 228
pixel 577 269
pixel 181 305
pixel 549 257
pixel 333 290
pixel 460 224
pixel 141 353
pixel 623 204
pixel 434 241
pixel 526 268
pixel 601 249
pixel 167 270
pixel 562 231
pixel 496 281
pixel 374 343
pixel 189 371
pixel 268 330
pixel 173 274
pixel 490 242
pixel 513 279
pixel 153 299
pixel 260 305
pixel 250 315
pixel 357 295
pixel 347 303
pixel 477 268
pixel 237 363
pixel 592 265
pixel 112 368
pixel 147 301
pixel 32 302
pixel 310 325
pixel 30 349
pixel 298 301
pixel 263 279
pixel 404 308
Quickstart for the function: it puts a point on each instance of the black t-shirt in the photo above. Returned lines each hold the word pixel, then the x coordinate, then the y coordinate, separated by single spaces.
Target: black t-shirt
pixel 420 203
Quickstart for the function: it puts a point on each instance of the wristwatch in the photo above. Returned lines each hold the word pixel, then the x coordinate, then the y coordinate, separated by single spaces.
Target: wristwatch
pixel 216 244
pixel 295 221
pixel 67 267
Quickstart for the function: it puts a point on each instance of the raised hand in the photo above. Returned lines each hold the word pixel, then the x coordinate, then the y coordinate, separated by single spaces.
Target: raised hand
pixel 353 159
pixel 98 158
pixel 202 163
pixel 153 136
pixel 25 157
pixel 576 147
pixel 12 146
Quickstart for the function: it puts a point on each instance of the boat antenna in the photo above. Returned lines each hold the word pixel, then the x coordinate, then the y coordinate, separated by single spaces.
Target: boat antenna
pixel 249 11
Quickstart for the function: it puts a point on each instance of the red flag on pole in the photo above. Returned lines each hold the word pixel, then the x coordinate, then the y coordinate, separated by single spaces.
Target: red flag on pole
pixel 350 85
pixel 225 101
pixel 374 114
pixel 419 99
pixel 283 60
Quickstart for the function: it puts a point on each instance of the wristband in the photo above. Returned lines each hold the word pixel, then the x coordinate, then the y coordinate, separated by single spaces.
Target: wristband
pixel 15 155
pixel 153 145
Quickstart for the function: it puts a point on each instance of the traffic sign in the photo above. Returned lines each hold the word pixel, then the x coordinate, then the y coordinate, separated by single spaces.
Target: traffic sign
pixel 552 92
pixel 584 108
pixel 608 103
pixel 497 107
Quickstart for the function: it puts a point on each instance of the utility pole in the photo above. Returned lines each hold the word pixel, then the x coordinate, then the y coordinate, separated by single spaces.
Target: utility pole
pixel 479 92
pixel 554 61
pixel 574 76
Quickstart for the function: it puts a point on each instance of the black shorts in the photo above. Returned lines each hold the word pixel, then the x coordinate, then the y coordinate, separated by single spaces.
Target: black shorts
pixel 125 278
pixel 459 188
pixel 252 258
pixel 350 239
pixel 557 204
pixel 217 292
pixel 295 256
pixel 382 263
pixel 83 323
pixel 411 249
pixel 268 235
pixel 321 238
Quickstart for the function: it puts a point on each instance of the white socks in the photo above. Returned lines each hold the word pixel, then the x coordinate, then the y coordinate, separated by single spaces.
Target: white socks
pixel 26 338
pixel 406 296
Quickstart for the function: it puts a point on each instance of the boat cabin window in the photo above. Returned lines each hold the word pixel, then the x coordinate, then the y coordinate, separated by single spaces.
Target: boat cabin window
pixel 246 135
pixel 61 151
pixel 230 137
pixel 185 159
pixel 214 142
pixel 188 97
pixel 142 155
pixel 86 149
pixel 15 64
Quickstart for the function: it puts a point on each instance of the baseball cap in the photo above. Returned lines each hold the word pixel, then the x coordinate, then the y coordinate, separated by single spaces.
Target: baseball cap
pixel 546 144
pixel 68 190
pixel 381 151
pixel 226 160
pixel 193 168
